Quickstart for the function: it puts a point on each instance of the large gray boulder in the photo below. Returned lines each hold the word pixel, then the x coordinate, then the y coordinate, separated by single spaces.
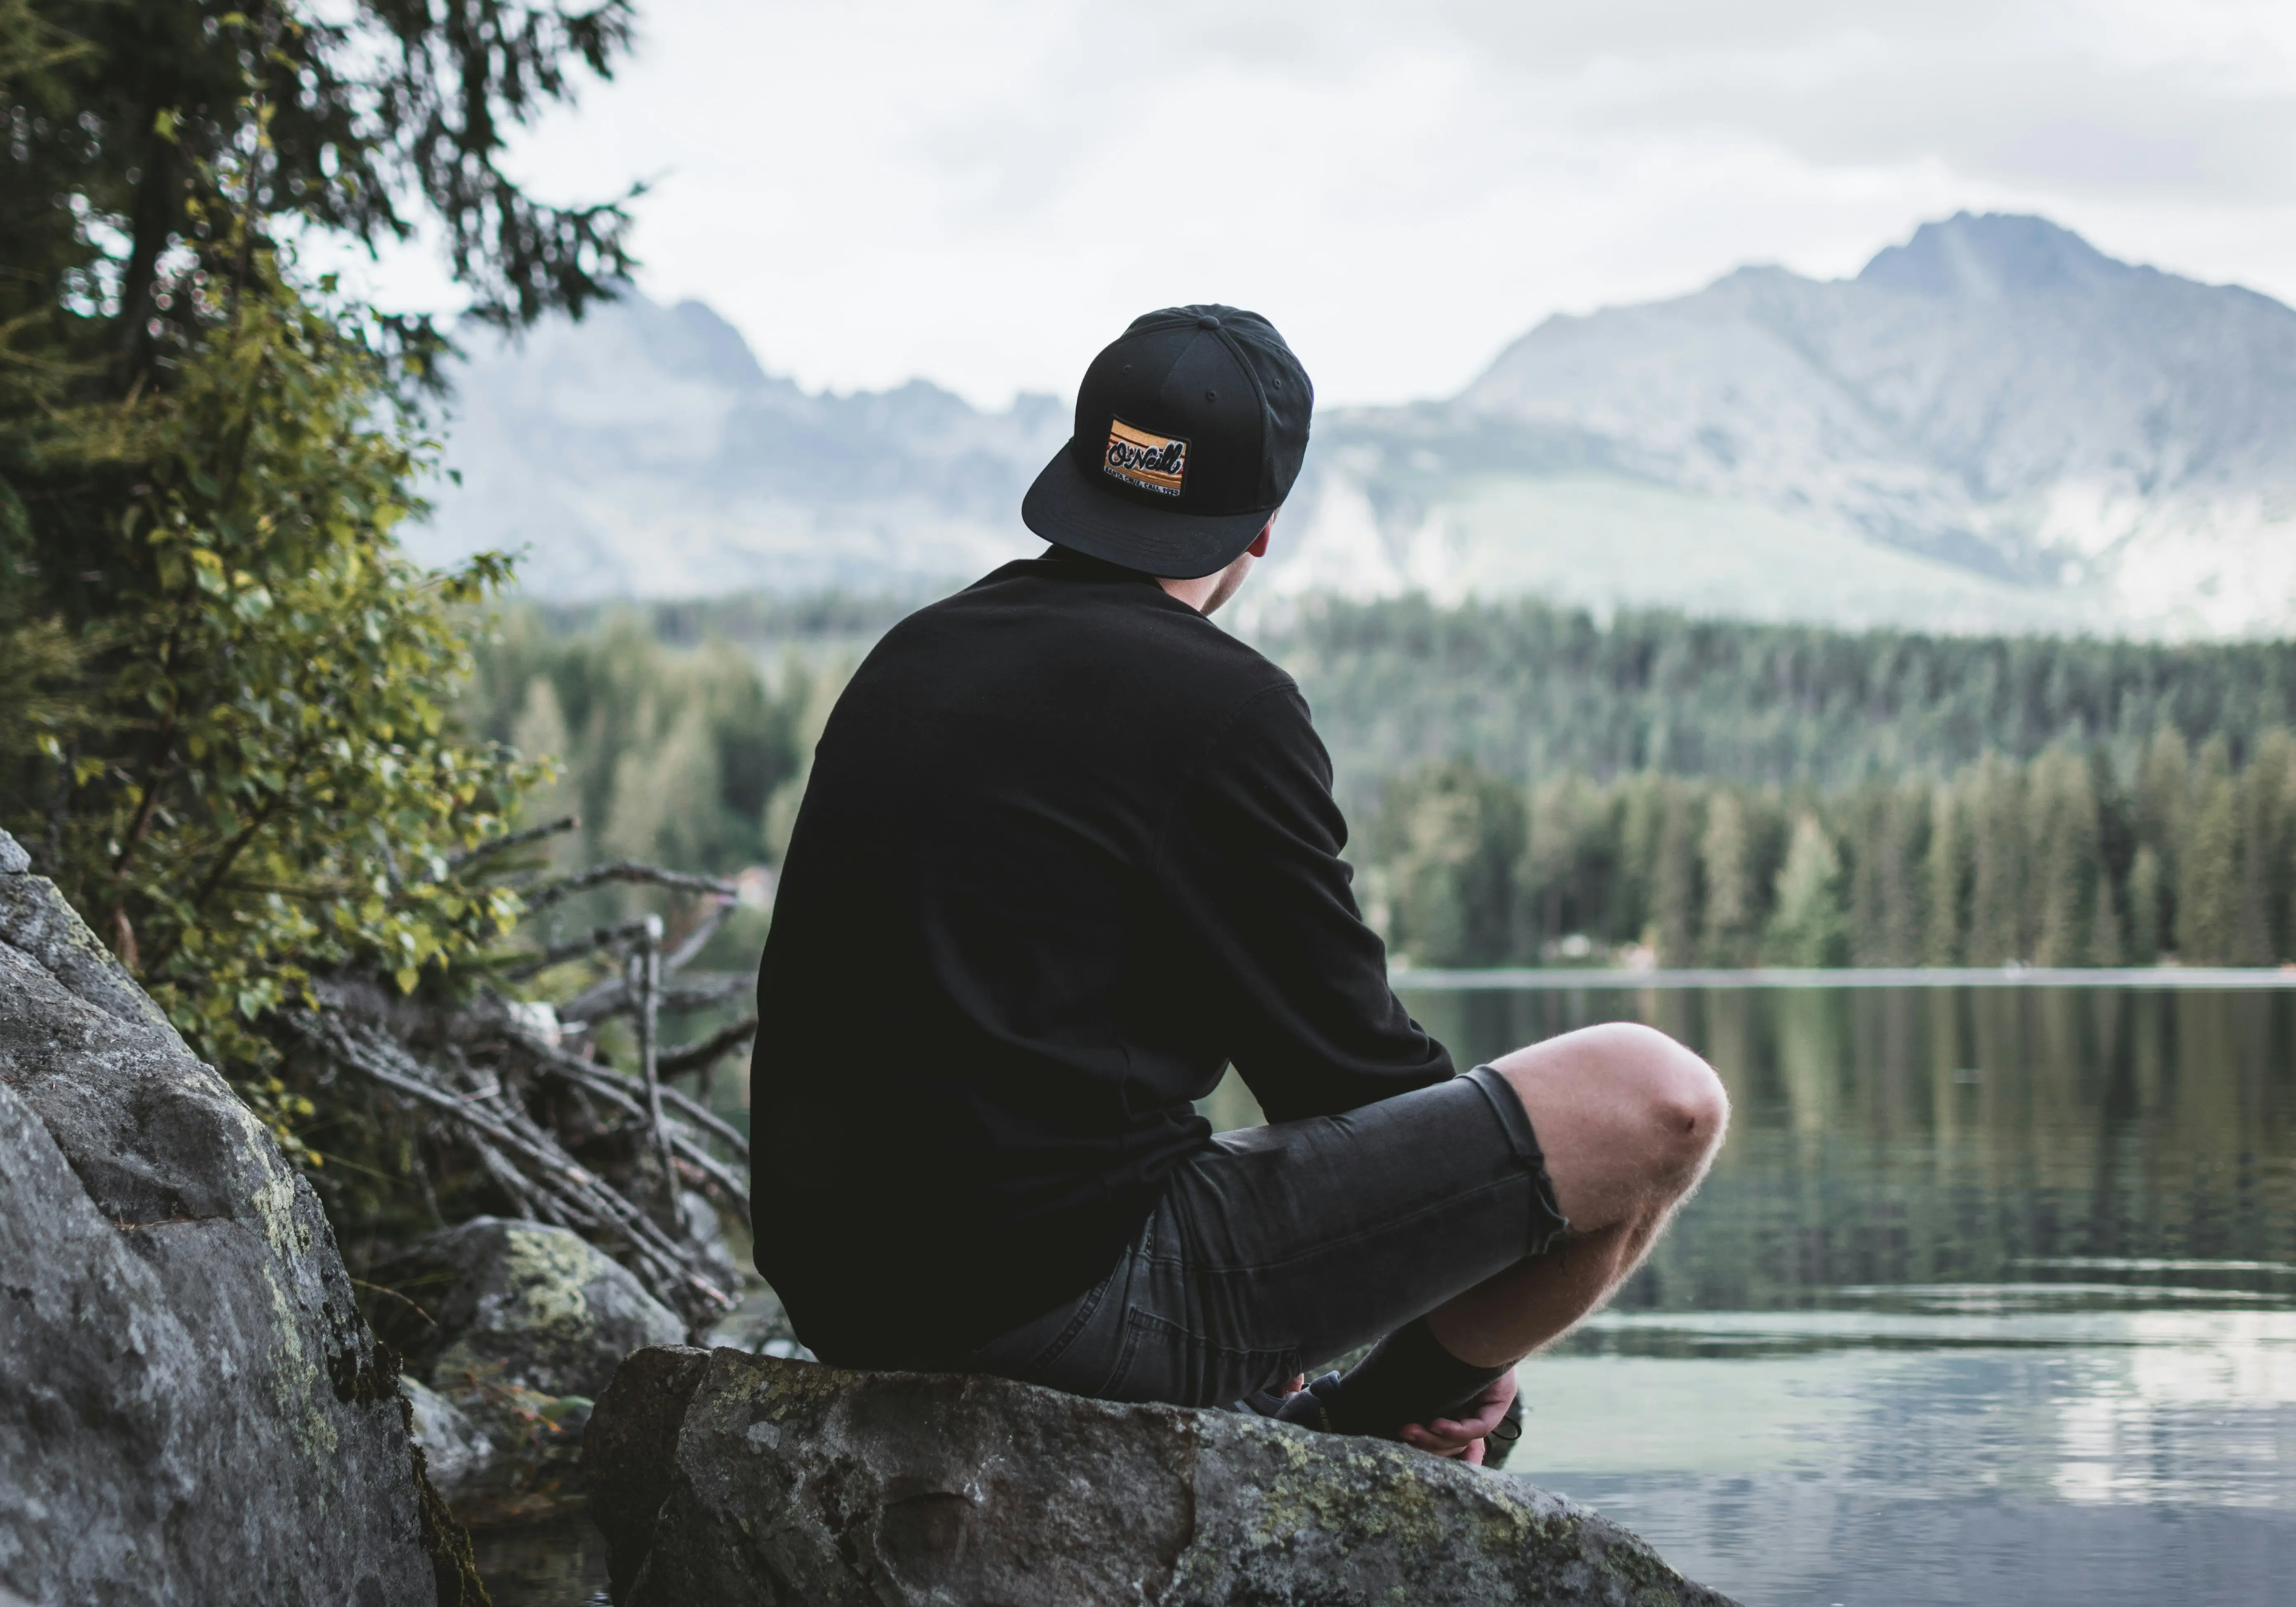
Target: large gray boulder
pixel 190 1408
pixel 751 1482
pixel 514 1326
pixel 512 1304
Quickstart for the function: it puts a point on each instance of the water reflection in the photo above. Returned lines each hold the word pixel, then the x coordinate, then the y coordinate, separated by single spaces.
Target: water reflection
pixel 1991 1298
pixel 559 1564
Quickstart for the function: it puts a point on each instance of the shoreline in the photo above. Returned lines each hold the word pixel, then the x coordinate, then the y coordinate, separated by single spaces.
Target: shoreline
pixel 1563 979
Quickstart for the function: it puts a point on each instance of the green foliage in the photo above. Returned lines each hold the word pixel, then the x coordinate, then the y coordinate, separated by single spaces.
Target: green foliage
pixel 1807 927
pixel 1527 689
pixel 2059 860
pixel 1449 838
pixel 155 148
pixel 692 758
pixel 1727 860
pixel 228 728
pixel 246 769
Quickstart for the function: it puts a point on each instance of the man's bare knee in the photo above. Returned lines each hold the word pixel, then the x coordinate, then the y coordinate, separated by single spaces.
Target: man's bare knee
pixel 1629 1119
pixel 1689 1110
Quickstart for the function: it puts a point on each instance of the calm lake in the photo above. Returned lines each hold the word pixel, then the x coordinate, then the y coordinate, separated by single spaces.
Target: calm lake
pixel 1991 1299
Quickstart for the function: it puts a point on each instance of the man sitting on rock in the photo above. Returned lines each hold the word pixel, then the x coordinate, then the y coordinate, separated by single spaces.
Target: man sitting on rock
pixel 1068 851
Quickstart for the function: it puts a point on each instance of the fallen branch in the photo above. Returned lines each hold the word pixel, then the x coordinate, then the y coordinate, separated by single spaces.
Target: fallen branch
pixel 556 1189
pixel 628 1101
pixel 689 1057
pixel 624 870
pixel 698 939
pixel 574 948
pixel 605 1080
pixel 612 998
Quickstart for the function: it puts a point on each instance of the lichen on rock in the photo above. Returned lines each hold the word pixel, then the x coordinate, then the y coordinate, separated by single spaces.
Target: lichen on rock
pixel 192 1409
pixel 738 1479
pixel 514 1326
pixel 520 1304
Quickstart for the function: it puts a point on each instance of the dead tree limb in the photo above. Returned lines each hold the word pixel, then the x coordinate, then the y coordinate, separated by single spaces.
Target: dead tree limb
pixel 574 948
pixel 624 870
pixel 628 1098
pixel 645 982
pixel 551 1185
pixel 698 939
pixel 612 998
pixel 614 1085
pixel 691 1057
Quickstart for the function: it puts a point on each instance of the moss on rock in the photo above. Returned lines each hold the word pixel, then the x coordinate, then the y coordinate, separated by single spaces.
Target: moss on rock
pixel 771 1481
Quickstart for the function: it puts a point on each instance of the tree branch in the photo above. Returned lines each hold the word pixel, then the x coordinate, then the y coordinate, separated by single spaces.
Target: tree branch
pixel 515 840
pixel 625 870
pixel 613 1085
pixel 689 1057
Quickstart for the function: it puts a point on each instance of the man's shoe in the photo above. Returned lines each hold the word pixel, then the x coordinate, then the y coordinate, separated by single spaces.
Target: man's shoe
pixel 1499 1444
pixel 1259 1402
pixel 1310 1408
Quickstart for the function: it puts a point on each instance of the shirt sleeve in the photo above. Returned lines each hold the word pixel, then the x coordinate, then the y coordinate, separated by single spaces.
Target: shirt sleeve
pixel 1250 862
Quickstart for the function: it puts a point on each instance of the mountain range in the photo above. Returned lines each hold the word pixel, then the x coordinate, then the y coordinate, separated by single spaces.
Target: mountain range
pixel 1993 426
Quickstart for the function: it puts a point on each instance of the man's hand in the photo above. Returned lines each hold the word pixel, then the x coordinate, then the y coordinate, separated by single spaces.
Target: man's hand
pixel 1463 1437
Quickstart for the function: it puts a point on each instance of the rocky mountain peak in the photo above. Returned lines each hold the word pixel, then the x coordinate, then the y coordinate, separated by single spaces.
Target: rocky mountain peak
pixel 1995 425
pixel 1990 256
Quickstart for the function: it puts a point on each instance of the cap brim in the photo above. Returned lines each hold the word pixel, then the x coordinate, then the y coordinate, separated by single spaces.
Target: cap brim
pixel 1067 507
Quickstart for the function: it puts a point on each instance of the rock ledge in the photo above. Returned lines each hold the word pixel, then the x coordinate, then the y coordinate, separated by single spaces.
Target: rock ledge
pixel 733 1478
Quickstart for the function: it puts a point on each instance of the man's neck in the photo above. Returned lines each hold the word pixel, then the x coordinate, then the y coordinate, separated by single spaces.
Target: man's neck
pixel 1197 593
pixel 1206 593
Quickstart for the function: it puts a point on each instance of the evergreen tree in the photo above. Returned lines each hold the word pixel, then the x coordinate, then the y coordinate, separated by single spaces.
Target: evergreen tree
pixel 1449 866
pixel 2105 947
pixel 541 731
pixel 2259 828
pixel 2065 857
pixel 1629 914
pixel 1725 853
pixel 671 755
pixel 1995 793
pixel 2208 866
pixel 2164 810
pixel 2146 898
pixel 1674 878
pixel 1948 873
pixel 156 151
pixel 2269 854
pixel 1889 828
pixel 1905 902
pixel 1567 856
pixel 663 792
pixel 1809 927
pixel 1868 831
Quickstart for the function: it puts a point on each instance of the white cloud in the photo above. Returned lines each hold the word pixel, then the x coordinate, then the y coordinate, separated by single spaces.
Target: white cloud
pixel 984 193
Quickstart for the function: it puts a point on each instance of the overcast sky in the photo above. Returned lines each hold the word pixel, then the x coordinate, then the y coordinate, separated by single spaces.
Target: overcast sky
pixel 984 192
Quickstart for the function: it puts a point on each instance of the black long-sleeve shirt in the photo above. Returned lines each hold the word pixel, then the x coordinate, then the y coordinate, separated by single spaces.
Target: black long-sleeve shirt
pixel 1068 849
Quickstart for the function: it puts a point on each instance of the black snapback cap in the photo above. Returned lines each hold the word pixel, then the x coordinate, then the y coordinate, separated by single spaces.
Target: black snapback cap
pixel 1190 429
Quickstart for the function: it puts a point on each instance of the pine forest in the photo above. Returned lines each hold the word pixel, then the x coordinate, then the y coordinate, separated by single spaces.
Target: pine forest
pixel 1529 785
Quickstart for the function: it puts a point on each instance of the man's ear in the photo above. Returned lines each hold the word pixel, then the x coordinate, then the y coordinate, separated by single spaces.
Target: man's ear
pixel 1258 547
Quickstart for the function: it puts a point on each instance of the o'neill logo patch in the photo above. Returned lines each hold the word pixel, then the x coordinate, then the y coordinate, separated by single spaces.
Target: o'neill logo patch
pixel 1138 457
